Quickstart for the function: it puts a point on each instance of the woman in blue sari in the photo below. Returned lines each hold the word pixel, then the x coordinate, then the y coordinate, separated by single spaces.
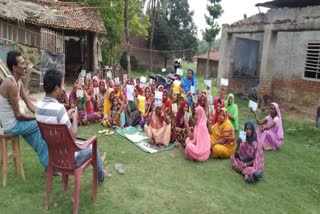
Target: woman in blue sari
pixel 187 82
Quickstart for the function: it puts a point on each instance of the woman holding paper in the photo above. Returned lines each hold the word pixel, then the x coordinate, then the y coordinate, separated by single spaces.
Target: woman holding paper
pixel 248 158
pixel 180 128
pixel 270 132
pixel 158 127
pixel 101 96
pixel 198 144
pixel 189 82
pixel 222 136
pixel 232 111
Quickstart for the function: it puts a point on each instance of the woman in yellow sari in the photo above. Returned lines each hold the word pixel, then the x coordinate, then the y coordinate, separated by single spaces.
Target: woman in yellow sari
pixel 107 102
pixel 222 137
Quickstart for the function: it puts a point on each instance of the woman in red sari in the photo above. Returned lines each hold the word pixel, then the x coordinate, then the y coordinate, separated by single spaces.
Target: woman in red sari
pixel 166 103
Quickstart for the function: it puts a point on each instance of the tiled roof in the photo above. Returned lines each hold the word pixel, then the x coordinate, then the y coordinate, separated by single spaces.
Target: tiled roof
pixel 213 55
pixel 75 16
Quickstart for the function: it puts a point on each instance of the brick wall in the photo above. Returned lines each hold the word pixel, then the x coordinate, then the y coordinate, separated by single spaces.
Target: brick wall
pixel 201 67
pixel 297 93
pixel 238 85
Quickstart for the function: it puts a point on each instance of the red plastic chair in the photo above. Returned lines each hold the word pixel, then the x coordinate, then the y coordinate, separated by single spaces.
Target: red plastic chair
pixel 61 148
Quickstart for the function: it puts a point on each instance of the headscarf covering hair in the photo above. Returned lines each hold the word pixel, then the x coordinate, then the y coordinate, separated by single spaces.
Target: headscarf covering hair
pixel 233 110
pixel 216 101
pixel 187 83
pixel 280 128
pixel 253 131
pixel 160 88
pixel 180 114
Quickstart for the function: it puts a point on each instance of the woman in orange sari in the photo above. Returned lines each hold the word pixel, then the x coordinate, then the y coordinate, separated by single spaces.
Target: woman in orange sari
pixel 158 127
pixel 167 104
pixel 222 136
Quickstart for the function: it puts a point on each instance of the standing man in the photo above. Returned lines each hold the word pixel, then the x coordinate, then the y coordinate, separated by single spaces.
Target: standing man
pixel 13 120
pixel 49 110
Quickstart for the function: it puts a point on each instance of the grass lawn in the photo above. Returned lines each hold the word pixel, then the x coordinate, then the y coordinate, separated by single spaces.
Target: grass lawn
pixel 168 183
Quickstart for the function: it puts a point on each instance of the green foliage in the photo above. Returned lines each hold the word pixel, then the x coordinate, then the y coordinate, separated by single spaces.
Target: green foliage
pixel 112 12
pixel 175 29
pixel 124 62
pixel 215 11
pixel 203 46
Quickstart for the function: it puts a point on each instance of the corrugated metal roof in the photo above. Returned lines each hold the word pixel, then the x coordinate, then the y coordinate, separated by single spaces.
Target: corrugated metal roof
pixel 213 55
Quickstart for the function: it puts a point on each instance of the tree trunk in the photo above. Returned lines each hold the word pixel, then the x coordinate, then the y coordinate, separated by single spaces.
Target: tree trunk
pixel 208 58
pixel 126 29
pixel 153 6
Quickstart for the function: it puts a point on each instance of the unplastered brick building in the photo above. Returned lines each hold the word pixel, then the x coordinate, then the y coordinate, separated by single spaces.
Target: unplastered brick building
pixel 279 50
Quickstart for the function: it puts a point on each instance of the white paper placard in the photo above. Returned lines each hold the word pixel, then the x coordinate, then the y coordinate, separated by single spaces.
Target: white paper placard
pixel 158 98
pixel 243 136
pixel 109 74
pixel 253 105
pixel 224 82
pixel 150 81
pixel 208 83
pixel 88 76
pixel 143 79
pixel 211 108
pixel 83 73
pixel 130 90
pixel 125 77
pixel 187 116
pixel 116 80
pixel 210 99
pixel 81 80
pixel 192 89
pixel 174 107
pixel 96 91
pixel 79 93
pixel 179 71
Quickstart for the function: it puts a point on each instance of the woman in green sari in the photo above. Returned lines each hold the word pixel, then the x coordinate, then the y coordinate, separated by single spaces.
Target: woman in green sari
pixel 232 111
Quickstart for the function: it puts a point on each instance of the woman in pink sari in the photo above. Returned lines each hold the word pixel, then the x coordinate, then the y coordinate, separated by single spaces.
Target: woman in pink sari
pixel 270 132
pixel 198 146
pixel 158 127
pixel 248 158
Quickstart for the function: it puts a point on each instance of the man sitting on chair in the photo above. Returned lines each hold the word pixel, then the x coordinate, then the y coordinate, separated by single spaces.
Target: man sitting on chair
pixel 15 121
pixel 49 110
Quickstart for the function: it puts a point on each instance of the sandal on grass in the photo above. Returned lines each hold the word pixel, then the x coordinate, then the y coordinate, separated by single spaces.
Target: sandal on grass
pixel 119 168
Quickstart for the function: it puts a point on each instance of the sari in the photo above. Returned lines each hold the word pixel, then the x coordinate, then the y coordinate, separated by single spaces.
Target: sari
pixel 222 131
pixel 167 104
pixel 107 103
pixel 198 148
pixel 215 116
pixel 138 88
pixel 272 139
pixel 233 110
pixel 181 135
pixel 187 83
pixel 158 130
pixel 248 151
pixel 100 97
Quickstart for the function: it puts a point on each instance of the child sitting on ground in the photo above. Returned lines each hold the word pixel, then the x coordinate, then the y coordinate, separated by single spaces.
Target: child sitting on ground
pixel 115 112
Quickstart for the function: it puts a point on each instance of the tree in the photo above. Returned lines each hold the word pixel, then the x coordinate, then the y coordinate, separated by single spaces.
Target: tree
pixel 175 30
pixel 215 11
pixel 112 12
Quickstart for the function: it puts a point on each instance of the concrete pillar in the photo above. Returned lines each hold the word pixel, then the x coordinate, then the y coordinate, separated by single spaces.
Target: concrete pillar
pixel 224 68
pixel 265 79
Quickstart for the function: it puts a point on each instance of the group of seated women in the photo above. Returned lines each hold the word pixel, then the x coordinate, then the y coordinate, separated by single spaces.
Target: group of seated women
pixel 205 126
